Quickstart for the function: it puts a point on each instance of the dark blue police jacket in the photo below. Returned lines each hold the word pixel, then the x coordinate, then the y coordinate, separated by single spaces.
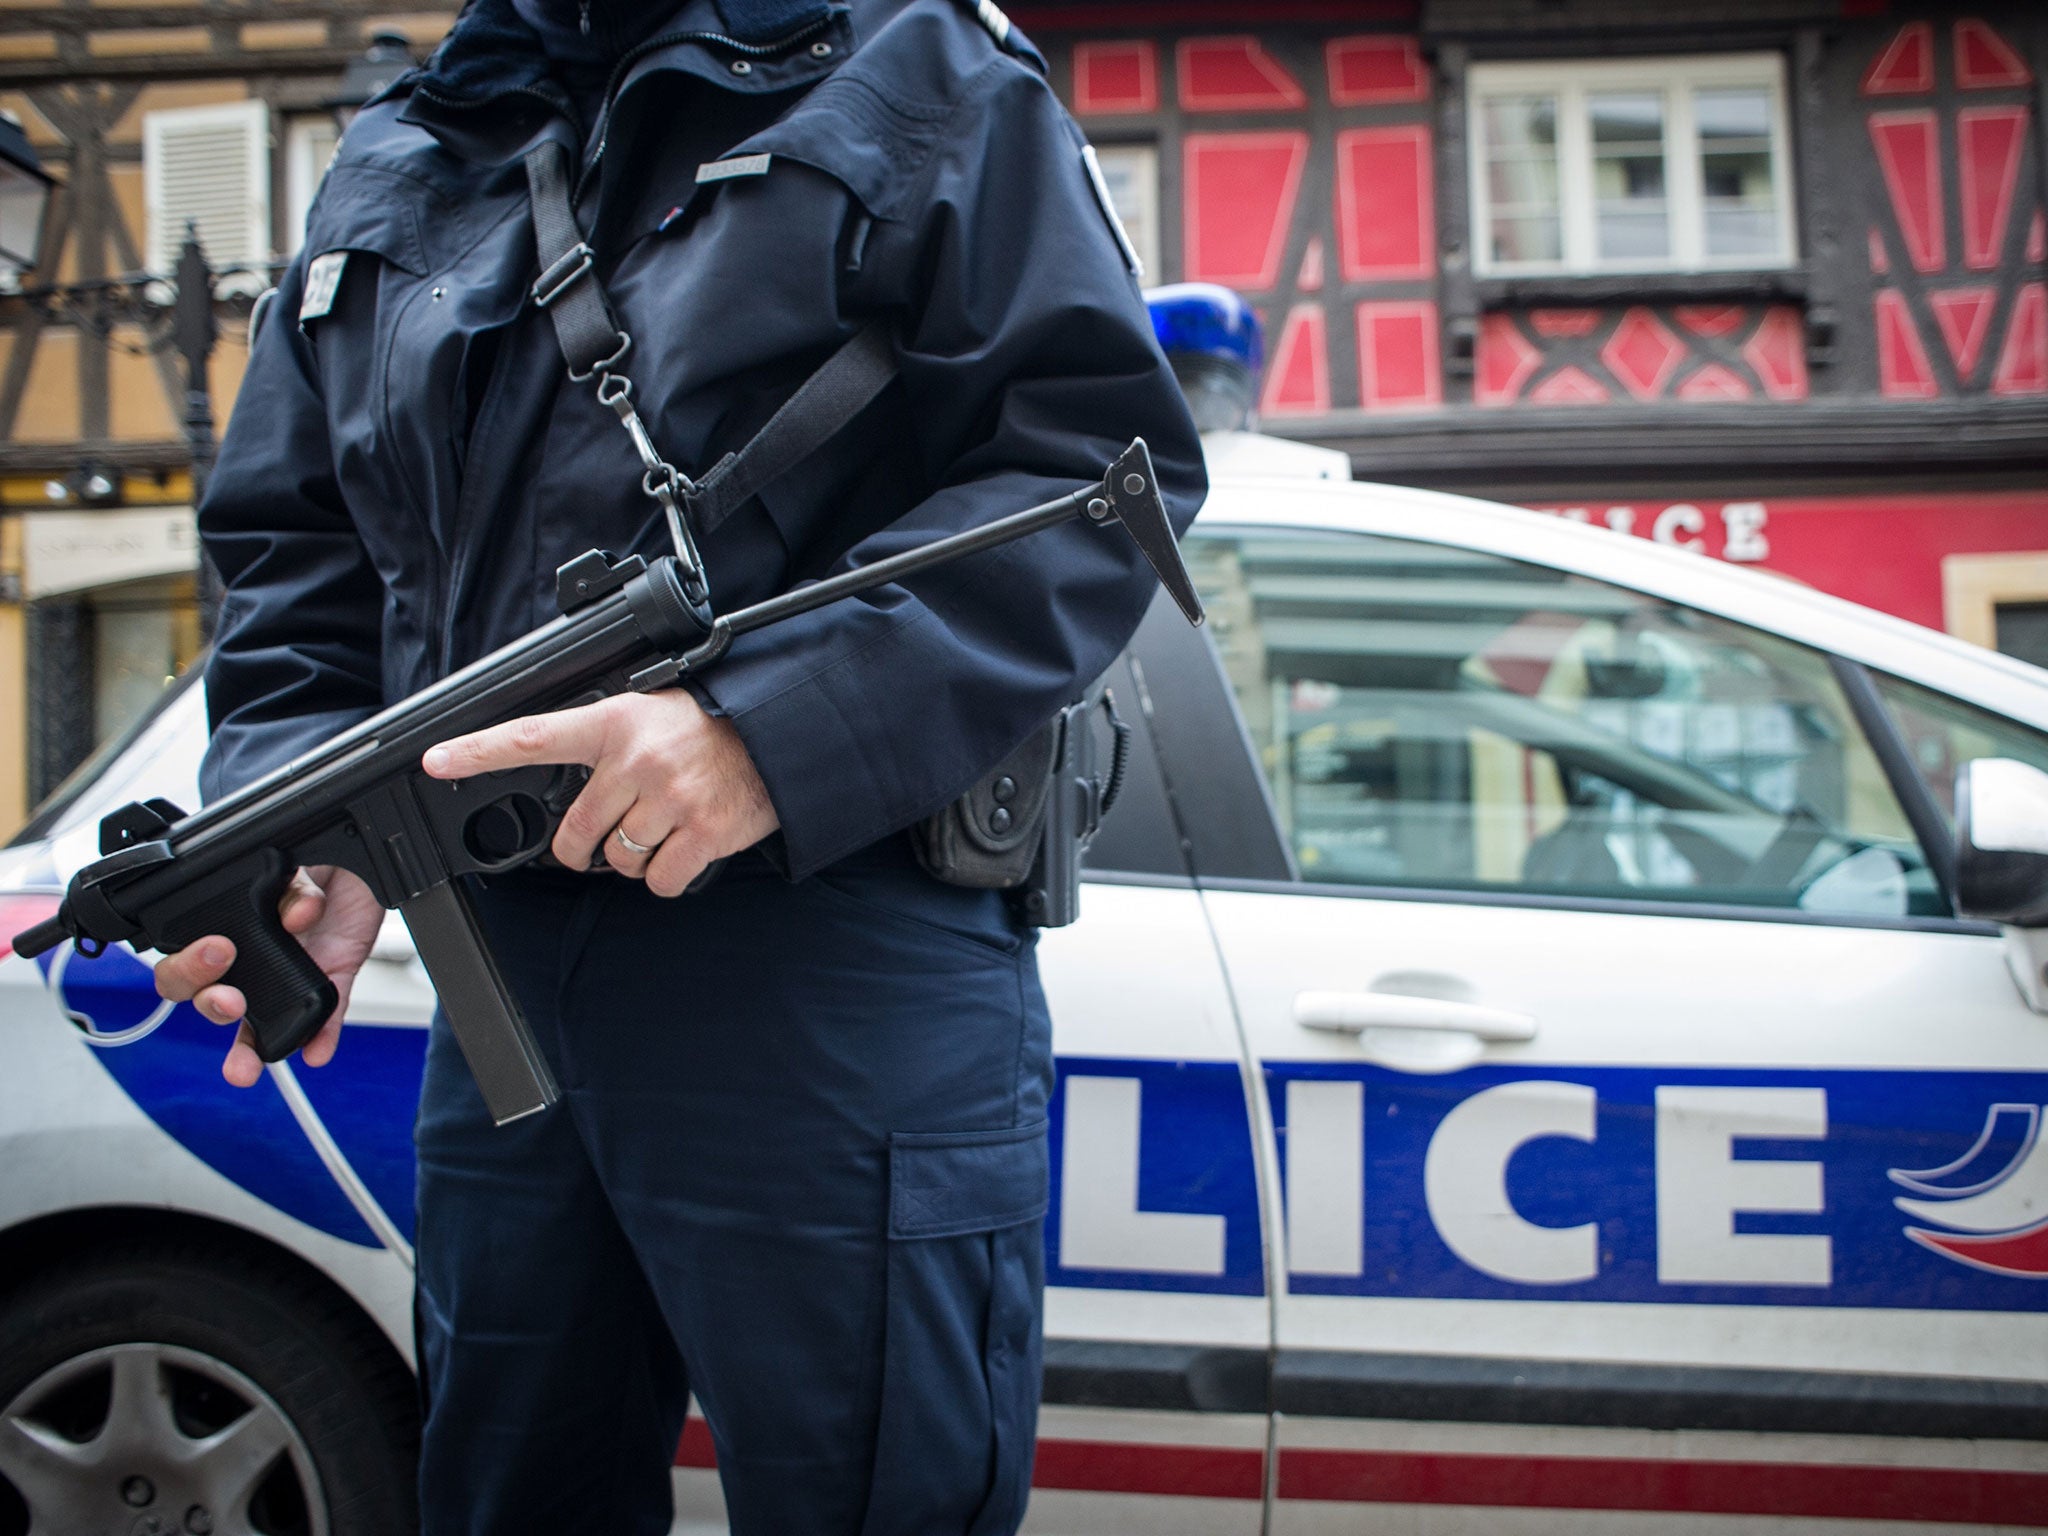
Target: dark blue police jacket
pixel 408 463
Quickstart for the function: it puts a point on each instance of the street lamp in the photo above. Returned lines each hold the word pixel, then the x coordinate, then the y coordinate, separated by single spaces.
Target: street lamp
pixel 24 195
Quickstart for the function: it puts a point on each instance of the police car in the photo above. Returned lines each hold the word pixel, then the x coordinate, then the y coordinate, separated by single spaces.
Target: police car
pixel 1523 1067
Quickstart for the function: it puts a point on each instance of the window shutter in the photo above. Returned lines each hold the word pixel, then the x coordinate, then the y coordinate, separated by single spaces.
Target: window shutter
pixel 209 166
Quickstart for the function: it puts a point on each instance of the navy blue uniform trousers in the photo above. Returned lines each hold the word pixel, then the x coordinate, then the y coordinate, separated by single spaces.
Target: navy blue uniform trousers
pixel 798 1168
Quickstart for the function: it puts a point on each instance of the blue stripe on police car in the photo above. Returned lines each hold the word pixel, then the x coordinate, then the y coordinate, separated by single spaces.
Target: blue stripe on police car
pixel 1596 1184
pixel 1806 1188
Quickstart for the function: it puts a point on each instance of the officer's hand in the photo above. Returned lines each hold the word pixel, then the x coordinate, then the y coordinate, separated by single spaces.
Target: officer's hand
pixel 670 777
pixel 332 913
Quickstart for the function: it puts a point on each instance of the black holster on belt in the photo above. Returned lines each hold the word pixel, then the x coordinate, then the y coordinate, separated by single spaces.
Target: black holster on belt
pixel 1025 824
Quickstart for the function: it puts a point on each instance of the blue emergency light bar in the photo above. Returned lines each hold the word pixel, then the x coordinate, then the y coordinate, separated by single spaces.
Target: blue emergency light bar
pixel 1208 319
pixel 1214 342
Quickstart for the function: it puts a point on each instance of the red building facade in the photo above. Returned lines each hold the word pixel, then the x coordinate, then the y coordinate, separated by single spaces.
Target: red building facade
pixel 1764 279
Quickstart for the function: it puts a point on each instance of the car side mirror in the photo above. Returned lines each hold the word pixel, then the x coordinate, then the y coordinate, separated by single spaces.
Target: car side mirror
pixel 2002 862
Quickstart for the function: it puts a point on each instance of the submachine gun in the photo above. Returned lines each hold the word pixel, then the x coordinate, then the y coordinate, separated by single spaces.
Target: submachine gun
pixel 363 802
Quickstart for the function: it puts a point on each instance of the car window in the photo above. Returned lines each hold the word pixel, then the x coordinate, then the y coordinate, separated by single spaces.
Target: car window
pixel 162 727
pixel 1943 733
pixel 1435 717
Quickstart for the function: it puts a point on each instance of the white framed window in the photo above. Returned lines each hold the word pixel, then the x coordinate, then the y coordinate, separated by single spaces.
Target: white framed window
pixel 1131 172
pixel 1631 165
pixel 309 143
pixel 208 166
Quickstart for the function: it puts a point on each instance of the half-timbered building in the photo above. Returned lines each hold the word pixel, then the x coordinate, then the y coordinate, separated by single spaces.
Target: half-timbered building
pixel 1763 279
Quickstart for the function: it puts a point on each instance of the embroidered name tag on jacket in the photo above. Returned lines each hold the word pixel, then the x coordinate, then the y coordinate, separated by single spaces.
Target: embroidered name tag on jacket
pixel 323 281
pixel 738 165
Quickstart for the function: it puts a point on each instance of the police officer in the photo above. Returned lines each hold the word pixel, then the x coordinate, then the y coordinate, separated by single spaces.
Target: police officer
pixel 799 1169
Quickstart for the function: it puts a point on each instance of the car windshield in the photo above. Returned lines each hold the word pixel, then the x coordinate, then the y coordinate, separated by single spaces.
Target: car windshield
pixel 64 804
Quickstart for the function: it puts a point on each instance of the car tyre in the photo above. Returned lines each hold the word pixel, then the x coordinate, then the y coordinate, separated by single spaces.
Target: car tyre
pixel 151 1385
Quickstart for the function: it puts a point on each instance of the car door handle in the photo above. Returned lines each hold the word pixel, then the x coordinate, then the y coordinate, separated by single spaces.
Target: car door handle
pixel 1351 1013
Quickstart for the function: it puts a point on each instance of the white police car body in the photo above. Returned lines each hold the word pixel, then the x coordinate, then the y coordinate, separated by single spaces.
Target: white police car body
pixel 1520 1070
pixel 1638 1129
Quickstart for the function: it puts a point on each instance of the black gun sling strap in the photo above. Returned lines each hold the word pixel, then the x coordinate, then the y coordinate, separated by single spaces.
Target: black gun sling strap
pixel 594 345
pixel 980 840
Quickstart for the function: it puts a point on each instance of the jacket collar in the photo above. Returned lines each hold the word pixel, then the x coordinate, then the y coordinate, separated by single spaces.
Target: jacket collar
pixel 492 58
pixel 491 52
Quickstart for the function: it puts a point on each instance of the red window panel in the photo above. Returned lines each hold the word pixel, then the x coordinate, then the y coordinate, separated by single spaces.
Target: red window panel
pixel 1504 360
pixel 2037 238
pixel 1906 67
pixel 1570 386
pixel 1564 322
pixel 1908 146
pixel 1239 191
pixel 1399 364
pixel 1234 74
pixel 1778 354
pixel 1988 144
pixel 1386 203
pixel 1715 381
pixel 1984 60
pixel 2023 364
pixel 1643 353
pixel 1116 77
pixel 1903 372
pixel 1369 71
pixel 1298 379
pixel 1963 316
pixel 1711 319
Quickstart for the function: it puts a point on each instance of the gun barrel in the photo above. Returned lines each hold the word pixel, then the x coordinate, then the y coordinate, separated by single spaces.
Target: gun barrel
pixel 47 934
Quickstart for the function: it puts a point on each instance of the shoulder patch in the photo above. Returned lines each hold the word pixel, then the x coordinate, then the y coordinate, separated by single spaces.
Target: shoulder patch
pixel 1109 213
pixel 997 24
pixel 323 281
pixel 993 18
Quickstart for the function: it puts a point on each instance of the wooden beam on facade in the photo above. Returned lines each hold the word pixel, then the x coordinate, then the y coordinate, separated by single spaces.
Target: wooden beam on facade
pixel 149 68
pixel 147 456
pixel 1588 445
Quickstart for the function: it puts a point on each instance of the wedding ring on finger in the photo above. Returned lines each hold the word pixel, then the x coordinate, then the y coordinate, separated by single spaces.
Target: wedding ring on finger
pixel 643 850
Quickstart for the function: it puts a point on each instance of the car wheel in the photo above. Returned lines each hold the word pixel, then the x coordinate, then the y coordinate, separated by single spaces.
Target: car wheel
pixel 181 1392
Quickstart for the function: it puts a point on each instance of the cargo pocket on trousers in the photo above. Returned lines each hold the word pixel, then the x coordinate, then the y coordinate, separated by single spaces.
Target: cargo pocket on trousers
pixel 958 1412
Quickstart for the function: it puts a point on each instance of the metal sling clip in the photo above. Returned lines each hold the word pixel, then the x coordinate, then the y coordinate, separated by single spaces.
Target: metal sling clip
pixel 659 480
